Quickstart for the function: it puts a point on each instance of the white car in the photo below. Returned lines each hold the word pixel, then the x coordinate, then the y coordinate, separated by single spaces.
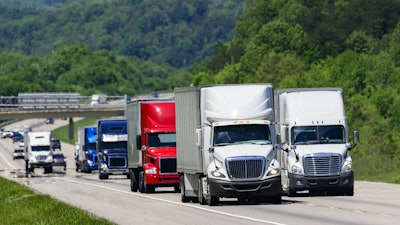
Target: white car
pixel 7 134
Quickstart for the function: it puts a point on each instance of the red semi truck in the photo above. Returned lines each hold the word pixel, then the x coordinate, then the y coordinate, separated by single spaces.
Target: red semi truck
pixel 152 145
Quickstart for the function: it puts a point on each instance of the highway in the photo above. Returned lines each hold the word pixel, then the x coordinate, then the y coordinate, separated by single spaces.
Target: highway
pixel 373 203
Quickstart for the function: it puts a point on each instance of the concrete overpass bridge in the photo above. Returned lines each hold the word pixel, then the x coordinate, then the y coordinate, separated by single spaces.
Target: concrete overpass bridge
pixel 60 105
pixel 67 105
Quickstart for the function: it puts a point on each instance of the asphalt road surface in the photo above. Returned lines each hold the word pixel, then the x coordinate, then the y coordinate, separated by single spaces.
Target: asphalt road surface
pixel 373 203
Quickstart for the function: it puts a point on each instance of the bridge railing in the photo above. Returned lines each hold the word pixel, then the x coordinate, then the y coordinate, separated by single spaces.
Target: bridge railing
pixel 49 100
pixel 54 101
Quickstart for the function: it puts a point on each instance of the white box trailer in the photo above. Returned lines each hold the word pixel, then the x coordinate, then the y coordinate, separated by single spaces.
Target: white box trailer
pixel 38 152
pixel 314 141
pixel 217 154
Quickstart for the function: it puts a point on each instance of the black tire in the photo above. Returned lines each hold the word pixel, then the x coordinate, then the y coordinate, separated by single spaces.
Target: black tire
pixel 276 199
pixel 48 169
pixel 291 192
pixel 200 195
pixel 177 189
pixel 134 181
pixel 349 191
pixel 103 176
pixel 141 182
pixel 211 199
pixel 184 198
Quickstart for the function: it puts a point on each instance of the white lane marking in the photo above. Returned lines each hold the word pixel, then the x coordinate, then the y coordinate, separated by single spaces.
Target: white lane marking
pixel 2 156
pixel 172 202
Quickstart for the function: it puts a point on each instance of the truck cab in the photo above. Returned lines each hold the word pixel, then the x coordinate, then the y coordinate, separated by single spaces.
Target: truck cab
pixel 87 155
pixel 112 148
pixel 38 152
pixel 152 145
pixel 314 141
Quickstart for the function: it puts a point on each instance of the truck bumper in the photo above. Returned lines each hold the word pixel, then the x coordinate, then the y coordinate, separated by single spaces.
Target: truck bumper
pixel 162 180
pixel 114 171
pixel 41 165
pixel 262 188
pixel 91 168
pixel 301 183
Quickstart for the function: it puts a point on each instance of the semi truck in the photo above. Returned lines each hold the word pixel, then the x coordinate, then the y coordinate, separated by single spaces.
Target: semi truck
pixel 226 144
pixel 152 145
pixel 314 141
pixel 111 146
pixel 86 157
pixel 38 152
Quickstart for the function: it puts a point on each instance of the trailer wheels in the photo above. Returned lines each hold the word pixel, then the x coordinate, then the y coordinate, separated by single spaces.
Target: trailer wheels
pixel 184 198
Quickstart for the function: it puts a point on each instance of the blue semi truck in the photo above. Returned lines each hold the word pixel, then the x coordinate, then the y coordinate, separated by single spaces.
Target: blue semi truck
pixel 86 156
pixel 112 138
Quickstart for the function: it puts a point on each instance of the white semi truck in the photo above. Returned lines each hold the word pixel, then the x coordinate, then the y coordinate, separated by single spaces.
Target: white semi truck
pixel 314 141
pixel 226 144
pixel 38 152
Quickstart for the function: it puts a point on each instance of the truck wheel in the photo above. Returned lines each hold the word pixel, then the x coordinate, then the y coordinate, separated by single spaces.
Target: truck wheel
pixel 291 192
pixel 26 168
pixel 349 191
pixel 200 195
pixel 134 182
pixel 212 200
pixel 141 182
pixel 48 169
pixel 177 188
pixel 182 185
pixel 276 199
pixel 103 176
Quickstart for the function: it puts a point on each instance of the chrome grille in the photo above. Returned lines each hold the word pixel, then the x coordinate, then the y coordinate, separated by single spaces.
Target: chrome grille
pixel 41 157
pixel 243 168
pixel 322 164
pixel 168 165
pixel 117 162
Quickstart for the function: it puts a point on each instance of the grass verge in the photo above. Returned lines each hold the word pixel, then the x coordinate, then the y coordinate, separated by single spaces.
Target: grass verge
pixel 20 205
pixel 62 132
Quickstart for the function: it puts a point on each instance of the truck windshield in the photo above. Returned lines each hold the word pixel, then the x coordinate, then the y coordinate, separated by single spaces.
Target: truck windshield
pixel 334 134
pixel 40 148
pixel 162 140
pixel 236 134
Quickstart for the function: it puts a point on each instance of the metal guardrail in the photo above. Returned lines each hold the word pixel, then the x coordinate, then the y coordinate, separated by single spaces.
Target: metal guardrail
pixel 54 101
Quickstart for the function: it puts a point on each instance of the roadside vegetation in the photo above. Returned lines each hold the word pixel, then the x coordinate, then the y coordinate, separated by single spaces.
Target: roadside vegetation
pixel 21 205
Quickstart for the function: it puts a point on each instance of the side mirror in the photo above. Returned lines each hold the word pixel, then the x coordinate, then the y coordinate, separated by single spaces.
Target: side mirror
pixel 143 148
pixel 356 137
pixel 139 142
pixel 278 138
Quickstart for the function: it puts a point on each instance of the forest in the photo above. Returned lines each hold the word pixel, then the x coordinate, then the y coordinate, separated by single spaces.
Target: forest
pixel 158 45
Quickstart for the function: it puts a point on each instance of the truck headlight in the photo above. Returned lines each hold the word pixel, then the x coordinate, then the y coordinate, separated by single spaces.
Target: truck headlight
pixel 347 168
pixel 151 171
pixel 89 162
pixel 272 172
pixel 296 170
pixel 216 173
pixel 103 166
